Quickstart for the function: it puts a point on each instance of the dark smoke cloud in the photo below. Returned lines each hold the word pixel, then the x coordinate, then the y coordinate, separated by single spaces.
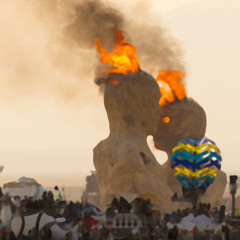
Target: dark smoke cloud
pixel 50 49
pixel 94 19
pixel 156 49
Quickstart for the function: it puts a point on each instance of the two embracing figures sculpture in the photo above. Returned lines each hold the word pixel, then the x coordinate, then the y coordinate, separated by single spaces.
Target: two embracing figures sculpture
pixel 124 162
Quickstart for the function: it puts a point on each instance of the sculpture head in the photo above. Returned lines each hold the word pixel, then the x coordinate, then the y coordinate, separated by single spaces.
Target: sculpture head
pixel 187 119
pixel 132 102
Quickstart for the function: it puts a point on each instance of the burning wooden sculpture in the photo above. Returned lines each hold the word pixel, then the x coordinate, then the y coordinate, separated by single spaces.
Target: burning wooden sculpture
pixel 183 118
pixel 123 161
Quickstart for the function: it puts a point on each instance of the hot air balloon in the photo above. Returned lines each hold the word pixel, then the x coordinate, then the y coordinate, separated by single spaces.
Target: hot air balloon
pixel 196 164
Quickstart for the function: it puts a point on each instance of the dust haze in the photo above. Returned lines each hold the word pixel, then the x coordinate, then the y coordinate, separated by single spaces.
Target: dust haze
pixel 47 47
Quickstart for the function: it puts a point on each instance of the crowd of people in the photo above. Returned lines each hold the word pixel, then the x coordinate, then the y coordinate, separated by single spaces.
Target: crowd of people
pixel 121 220
pixel 157 226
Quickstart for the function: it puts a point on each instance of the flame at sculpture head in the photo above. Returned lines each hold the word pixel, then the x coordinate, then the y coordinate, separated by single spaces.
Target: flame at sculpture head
pixel 196 163
pixel 172 87
pixel 123 58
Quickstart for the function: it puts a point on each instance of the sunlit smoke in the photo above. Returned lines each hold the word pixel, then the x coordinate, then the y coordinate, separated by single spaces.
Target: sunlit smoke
pixel 47 47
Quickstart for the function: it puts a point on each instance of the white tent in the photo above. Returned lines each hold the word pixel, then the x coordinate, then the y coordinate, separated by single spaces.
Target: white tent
pixel 202 222
pixel 24 187
pixel 187 222
pixel 129 196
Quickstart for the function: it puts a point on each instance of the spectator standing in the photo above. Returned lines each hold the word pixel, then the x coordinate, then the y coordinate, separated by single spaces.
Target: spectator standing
pixel 225 231
pixel 172 231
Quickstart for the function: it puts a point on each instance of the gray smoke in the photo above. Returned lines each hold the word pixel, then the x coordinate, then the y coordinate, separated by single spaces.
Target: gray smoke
pixel 156 49
pixel 48 47
pixel 94 19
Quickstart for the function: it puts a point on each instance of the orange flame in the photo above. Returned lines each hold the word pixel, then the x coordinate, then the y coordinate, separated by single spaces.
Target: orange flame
pixel 123 58
pixel 173 88
pixel 114 82
pixel 166 119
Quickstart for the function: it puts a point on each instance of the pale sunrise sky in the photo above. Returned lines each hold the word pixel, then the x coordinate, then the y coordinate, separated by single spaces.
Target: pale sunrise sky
pixel 52 113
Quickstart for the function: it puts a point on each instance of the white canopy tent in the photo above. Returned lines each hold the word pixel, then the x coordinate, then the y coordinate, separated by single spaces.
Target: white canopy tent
pixel 24 187
pixel 202 222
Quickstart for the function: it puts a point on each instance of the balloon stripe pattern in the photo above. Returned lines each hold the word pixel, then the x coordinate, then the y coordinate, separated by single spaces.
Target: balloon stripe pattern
pixel 196 162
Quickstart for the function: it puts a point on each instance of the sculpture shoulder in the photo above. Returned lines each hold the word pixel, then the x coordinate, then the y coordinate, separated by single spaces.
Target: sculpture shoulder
pixel 116 145
pixel 125 151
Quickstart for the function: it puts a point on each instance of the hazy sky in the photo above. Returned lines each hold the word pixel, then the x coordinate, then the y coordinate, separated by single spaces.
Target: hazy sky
pixel 52 113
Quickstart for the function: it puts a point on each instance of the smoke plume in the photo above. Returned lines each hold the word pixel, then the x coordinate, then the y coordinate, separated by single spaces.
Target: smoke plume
pixel 156 49
pixel 47 47
pixel 94 19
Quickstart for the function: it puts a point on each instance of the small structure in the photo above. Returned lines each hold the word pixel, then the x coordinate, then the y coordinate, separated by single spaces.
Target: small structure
pixel 24 187
pixel 92 189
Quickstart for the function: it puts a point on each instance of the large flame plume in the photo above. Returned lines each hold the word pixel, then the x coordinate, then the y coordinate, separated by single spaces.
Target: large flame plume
pixel 172 88
pixel 123 57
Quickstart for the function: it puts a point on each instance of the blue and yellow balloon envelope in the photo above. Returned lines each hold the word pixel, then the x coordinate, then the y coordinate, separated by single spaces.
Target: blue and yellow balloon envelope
pixel 196 162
